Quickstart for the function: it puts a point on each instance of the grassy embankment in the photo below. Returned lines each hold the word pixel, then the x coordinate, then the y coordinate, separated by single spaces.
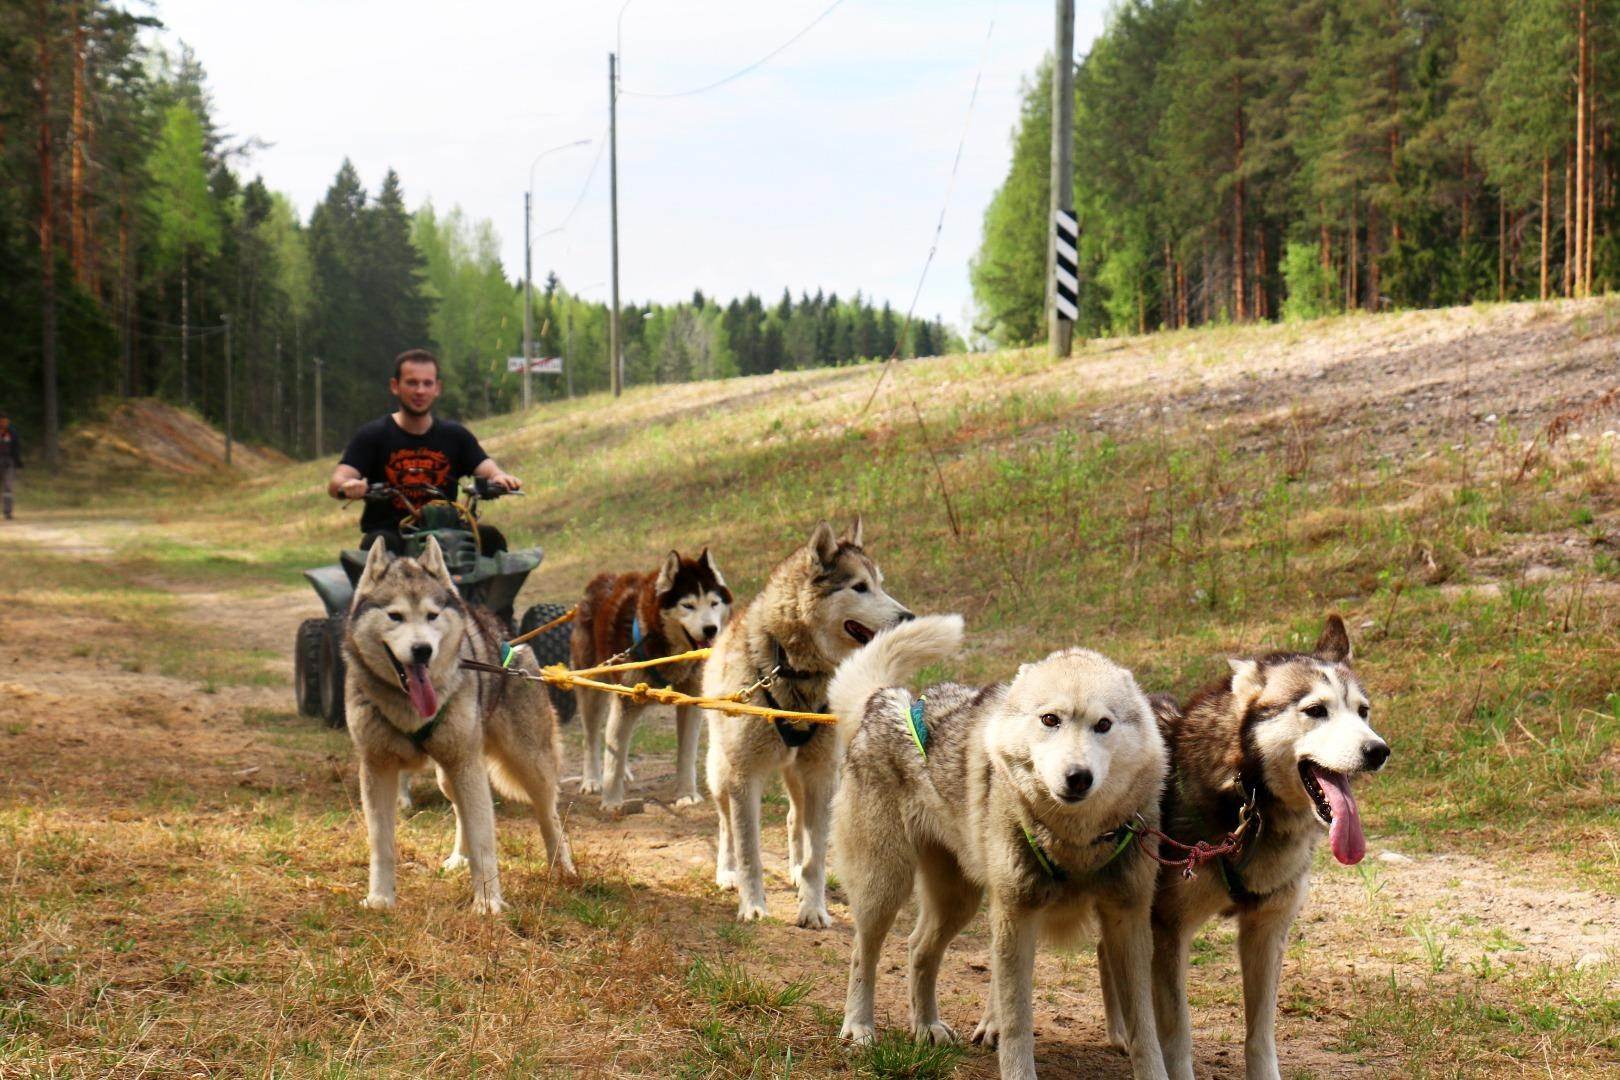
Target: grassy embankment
pixel 1169 500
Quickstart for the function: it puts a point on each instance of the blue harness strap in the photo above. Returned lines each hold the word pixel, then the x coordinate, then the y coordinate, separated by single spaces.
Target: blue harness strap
pixel 917 726
pixel 638 651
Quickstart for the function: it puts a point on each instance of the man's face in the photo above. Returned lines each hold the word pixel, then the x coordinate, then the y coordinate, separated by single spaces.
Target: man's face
pixel 417 387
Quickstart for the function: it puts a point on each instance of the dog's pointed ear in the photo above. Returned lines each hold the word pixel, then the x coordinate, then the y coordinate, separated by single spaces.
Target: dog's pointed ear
pixel 852 535
pixel 377 560
pixel 667 572
pixel 1247 682
pixel 824 545
pixel 432 561
pixel 1334 644
pixel 707 559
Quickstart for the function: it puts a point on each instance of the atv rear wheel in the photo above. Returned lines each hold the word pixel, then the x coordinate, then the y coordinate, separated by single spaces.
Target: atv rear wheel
pixel 307 666
pixel 332 672
pixel 552 647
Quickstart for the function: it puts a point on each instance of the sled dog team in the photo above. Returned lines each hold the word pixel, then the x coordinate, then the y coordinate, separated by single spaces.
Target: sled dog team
pixel 1042 797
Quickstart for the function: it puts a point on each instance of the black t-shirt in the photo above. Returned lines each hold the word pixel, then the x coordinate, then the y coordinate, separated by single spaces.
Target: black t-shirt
pixel 385 453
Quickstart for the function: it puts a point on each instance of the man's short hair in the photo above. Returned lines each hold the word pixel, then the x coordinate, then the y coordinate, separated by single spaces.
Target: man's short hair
pixel 415 356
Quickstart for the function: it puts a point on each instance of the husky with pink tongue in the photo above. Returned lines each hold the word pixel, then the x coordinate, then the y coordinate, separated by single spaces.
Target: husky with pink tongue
pixel 410 702
pixel 1278 740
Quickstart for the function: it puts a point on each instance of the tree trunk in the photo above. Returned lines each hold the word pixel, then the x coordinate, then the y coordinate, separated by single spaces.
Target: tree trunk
pixel 1580 156
pixel 1352 290
pixel 1546 178
pixel 185 329
pixel 1591 173
pixel 1467 169
pixel 47 244
pixel 1569 195
pixel 77 212
pixel 126 296
pixel 1169 289
pixel 1237 207
pixel 1501 249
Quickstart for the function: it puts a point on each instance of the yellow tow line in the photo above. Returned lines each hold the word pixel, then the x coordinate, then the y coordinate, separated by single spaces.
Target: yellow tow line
pixel 641 693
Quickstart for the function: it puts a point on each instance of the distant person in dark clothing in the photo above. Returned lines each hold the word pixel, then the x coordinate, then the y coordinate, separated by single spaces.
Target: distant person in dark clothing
pixel 10 461
pixel 415 453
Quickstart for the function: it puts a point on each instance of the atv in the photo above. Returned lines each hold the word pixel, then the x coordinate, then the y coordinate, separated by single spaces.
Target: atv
pixel 490 581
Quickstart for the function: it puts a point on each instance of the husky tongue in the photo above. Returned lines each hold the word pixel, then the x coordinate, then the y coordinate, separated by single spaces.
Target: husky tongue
pixel 426 699
pixel 1345 837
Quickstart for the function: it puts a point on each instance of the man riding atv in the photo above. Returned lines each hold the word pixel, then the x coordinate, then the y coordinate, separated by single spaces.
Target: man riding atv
pixel 419 456
pixel 407 466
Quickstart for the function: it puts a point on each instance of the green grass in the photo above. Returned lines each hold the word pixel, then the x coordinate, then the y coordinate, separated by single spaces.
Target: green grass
pixel 1168 542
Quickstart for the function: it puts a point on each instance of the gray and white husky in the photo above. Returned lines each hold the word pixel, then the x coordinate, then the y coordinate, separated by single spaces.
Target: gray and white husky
pixel 1284 734
pixel 821 604
pixel 410 702
pixel 1029 792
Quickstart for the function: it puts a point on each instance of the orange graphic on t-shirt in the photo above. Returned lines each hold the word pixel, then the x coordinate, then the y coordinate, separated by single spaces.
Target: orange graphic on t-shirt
pixel 414 472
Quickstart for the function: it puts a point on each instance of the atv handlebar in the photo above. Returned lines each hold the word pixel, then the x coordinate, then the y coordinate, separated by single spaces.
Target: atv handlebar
pixel 479 487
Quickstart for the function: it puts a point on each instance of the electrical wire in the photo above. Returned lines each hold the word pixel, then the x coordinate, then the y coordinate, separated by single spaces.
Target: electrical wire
pixel 742 71
pixel 585 188
pixel 939 226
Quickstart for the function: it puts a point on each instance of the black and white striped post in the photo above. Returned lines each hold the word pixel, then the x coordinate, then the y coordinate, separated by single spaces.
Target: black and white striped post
pixel 1063 282
pixel 1066 265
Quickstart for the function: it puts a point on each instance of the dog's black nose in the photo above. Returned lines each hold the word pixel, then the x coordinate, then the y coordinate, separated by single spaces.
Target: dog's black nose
pixel 421 654
pixel 709 632
pixel 907 616
pixel 1077 782
pixel 1374 754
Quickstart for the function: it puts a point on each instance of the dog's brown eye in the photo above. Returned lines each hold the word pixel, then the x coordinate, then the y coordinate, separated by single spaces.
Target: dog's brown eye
pixel 1317 711
pixel 432 615
pixel 1102 725
pixel 396 616
pixel 1051 719
pixel 859 586
pixel 1363 711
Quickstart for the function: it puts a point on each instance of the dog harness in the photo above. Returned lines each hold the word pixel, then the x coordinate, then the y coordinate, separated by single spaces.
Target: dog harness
pixel 1121 839
pixel 917 726
pixel 421 735
pixel 638 651
pixel 793 733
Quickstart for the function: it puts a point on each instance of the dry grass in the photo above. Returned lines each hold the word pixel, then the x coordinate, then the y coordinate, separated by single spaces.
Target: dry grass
pixel 185 865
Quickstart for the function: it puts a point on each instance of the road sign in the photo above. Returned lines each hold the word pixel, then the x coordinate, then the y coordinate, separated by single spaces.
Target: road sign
pixel 1066 266
pixel 540 365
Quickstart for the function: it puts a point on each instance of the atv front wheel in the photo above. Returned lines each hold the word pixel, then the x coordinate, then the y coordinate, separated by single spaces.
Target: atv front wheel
pixel 332 672
pixel 307 666
pixel 552 647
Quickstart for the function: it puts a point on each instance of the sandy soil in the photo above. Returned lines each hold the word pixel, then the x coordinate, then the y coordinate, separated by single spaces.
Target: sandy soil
pixel 114 734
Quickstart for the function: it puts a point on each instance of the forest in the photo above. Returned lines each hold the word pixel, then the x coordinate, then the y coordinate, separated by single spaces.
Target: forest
pixel 139 253
pixel 1263 159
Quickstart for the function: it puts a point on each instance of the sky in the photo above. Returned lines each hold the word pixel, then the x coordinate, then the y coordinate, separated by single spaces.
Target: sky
pixel 827 167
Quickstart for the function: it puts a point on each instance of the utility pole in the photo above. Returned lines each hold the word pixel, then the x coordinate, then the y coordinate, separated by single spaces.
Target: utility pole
pixel 528 305
pixel 318 403
pixel 568 350
pixel 1060 330
pixel 229 430
pixel 615 359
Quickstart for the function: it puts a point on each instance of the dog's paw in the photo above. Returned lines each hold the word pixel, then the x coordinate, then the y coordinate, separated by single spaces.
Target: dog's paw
pixel 858 1033
pixel 453 862
pixel 1117 1040
pixel 987 1032
pixel 590 785
pixel 814 917
pixel 378 902
pixel 726 879
pixel 488 905
pixel 683 801
pixel 937 1033
pixel 796 873
pixel 750 910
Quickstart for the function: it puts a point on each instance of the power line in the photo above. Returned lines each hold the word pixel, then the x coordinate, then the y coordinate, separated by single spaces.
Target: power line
pixel 601 145
pixel 939 226
pixel 743 71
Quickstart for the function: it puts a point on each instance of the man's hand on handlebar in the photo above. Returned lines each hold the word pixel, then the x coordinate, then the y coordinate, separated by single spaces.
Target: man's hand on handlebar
pixel 504 481
pixel 354 489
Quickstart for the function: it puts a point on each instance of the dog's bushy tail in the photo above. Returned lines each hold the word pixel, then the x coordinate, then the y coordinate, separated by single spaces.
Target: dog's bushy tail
pixel 890 659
